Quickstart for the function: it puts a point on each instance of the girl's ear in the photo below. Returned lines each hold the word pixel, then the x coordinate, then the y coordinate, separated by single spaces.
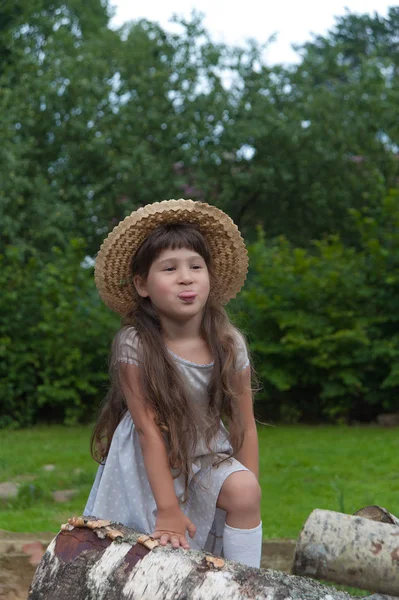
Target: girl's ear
pixel 141 286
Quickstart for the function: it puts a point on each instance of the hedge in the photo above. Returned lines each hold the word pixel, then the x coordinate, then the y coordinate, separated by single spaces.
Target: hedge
pixel 322 323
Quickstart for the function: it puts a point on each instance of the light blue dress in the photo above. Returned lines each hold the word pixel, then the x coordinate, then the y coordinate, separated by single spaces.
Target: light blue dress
pixel 121 491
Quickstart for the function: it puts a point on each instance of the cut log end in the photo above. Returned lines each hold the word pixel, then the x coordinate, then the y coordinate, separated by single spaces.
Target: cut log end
pixel 377 513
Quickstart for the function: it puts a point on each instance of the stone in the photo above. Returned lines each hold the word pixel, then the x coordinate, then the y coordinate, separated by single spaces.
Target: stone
pixel 8 490
pixel 27 477
pixel 35 551
pixel 64 495
pixel 388 420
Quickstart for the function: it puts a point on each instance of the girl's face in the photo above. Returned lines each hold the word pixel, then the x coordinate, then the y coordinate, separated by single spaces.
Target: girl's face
pixel 178 284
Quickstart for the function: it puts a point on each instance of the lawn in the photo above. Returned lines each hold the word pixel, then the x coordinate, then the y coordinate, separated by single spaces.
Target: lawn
pixel 302 468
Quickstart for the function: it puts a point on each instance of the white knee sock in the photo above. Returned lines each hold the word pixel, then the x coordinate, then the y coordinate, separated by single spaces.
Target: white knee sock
pixel 243 545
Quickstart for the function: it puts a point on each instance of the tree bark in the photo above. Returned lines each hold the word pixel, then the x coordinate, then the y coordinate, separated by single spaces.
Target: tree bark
pixel 111 562
pixel 350 550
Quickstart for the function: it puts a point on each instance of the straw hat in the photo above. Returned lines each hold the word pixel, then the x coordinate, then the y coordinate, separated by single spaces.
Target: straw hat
pixel 113 264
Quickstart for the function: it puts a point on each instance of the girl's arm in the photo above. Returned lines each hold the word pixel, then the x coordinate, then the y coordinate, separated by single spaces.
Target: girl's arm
pixel 248 455
pixel 171 522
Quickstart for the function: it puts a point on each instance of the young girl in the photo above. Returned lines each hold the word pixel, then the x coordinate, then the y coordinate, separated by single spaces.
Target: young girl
pixel 169 466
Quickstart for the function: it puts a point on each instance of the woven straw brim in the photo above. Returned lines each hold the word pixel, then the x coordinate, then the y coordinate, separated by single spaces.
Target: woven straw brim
pixel 113 264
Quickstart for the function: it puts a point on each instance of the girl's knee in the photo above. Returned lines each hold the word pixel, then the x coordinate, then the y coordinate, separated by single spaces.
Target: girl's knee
pixel 240 492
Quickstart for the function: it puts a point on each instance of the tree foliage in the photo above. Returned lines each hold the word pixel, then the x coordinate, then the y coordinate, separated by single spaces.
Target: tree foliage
pixel 324 324
pixel 96 122
pixel 54 338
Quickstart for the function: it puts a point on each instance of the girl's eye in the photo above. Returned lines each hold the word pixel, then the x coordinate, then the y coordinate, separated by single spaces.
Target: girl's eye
pixel 196 267
pixel 169 269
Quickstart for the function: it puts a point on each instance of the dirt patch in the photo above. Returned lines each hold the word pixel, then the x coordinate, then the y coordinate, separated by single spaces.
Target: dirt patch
pixel 20 554
pixel 278 554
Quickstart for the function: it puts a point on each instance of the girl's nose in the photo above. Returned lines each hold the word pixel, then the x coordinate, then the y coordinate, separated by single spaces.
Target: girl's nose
pixel 186 276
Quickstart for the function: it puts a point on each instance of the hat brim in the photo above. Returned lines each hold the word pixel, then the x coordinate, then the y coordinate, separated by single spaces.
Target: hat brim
pixel 113 263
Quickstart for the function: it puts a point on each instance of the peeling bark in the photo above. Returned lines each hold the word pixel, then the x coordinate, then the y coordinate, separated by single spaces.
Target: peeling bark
pixel 83 563
pixel 350 550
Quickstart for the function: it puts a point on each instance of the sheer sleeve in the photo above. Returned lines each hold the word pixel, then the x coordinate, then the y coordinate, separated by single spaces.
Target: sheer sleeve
pixel 127 346
pixel 242 359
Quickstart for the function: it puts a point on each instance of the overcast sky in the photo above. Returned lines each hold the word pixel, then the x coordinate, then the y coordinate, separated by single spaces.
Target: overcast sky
pixel 233 22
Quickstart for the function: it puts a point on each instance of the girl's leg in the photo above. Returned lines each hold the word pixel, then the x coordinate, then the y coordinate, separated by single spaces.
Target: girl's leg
pixel 240 498
pixel 242 538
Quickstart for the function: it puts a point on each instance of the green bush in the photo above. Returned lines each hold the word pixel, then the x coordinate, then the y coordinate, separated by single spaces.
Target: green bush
pixel 323 326
pixel 323 323
pixel 54 338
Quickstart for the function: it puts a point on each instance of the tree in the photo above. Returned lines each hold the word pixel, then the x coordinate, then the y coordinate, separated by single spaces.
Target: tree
pixel 319 137
pixel 93 121
pixel 46 44
pixel 97 122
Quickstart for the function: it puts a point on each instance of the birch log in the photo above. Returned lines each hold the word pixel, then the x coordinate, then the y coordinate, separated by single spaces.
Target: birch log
pixel 102 563
pixel 350 550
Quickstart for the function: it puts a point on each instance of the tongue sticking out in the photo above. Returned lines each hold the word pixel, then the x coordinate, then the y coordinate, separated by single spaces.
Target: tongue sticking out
pixel 187 295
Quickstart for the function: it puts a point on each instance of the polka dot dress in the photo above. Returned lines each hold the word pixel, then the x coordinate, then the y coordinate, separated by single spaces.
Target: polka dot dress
pixel 121 491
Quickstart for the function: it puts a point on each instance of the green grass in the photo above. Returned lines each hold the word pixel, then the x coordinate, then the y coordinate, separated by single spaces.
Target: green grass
pixel 302 468
pixel 333 468
pixel 22 457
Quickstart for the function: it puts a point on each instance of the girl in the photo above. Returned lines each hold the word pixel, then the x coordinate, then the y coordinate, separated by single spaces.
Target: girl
pixel 168 463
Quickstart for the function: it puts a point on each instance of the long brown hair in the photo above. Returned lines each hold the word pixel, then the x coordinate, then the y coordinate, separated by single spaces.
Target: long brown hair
pixel 163 387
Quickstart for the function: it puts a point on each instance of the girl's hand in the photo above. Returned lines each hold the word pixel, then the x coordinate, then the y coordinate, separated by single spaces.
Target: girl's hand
pixel 171 526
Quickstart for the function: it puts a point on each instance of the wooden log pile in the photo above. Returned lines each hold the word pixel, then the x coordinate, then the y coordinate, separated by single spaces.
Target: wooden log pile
pixel 97 559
